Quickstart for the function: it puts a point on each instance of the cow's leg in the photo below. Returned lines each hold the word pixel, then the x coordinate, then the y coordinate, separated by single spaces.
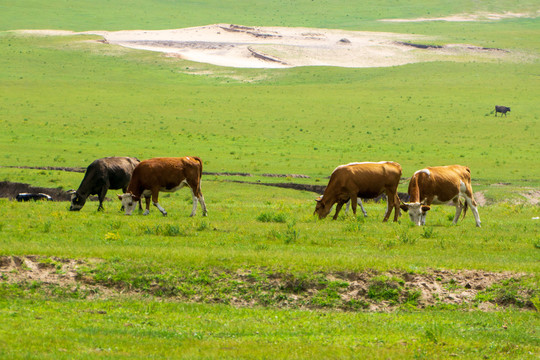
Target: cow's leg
pixel 140 199
pixel 466 192
pixel 338 208
pixel 101 197
pixel 147 200
pixel 354 203
pixel 397 210
pixel 389 206
pixel 362 207
pixel 472 205
pixel 459 207
pixel 203 205
pixel 194 209
pixel 155 194
pixel 347 207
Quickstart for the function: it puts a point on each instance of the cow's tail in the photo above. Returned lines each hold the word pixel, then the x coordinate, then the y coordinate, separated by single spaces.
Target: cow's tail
pixel 465 207
pixel 200 168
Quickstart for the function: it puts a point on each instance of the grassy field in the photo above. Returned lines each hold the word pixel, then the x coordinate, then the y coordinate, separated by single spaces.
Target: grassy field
pixel 260 277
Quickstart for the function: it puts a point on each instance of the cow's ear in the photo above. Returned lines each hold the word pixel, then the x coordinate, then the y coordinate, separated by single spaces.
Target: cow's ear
pixel 404 207
pixel 425 208
pixel 119 197
pixel 318 199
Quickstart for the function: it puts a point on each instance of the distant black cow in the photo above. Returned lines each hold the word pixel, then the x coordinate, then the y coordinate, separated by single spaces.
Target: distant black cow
pixel 501 109
pixel 102 175
pixel 33 196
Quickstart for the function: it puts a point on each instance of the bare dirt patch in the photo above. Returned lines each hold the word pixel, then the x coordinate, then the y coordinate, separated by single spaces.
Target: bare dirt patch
pixel 50 271
pixel 532 196
pixel 246 288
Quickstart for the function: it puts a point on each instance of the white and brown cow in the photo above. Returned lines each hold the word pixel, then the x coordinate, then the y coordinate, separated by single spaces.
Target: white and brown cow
pixel 366 180
pixel 166 174
pixel 440 185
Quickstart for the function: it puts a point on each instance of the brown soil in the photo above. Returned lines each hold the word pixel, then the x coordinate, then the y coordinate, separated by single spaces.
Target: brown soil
pixel 436 287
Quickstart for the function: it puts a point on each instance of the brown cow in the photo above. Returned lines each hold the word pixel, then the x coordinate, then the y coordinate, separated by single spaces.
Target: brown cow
pixel 439 185
pixel 164 174
pixel 367 180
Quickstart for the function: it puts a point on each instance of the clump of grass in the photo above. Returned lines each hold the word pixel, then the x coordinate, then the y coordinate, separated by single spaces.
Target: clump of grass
pixel 272 217
pixel 428 232
pixel 289 236
pixel 522 293
pixel 329 296
pixel 405 237
pixel 433 333
pixel 384 288
pixel 166 230
pixel 355 225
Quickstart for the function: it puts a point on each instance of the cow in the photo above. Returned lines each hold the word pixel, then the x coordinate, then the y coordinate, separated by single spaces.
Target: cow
pixel 166 174
pixel 365 179
pixel 439 185
pixel 102 175
pixel 501 109
pixel 33 196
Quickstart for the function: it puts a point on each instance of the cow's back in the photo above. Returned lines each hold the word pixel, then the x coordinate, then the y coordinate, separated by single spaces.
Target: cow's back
pixel 367 179
pixel 166 172
pixel 116 171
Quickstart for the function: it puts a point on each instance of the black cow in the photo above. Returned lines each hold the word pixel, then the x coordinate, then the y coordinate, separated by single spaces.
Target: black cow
pixel 33 196
pixel 102 175
pixel 501 109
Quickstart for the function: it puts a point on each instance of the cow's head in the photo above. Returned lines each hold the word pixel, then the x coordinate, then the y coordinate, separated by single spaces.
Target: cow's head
pixel 77 201
pixel 321 209
pixel 128 202
pixel 417 212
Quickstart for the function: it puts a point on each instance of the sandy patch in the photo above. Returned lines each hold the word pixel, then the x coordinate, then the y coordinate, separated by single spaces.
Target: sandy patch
pixel 272 47
pixel 481 16
pixel 240 46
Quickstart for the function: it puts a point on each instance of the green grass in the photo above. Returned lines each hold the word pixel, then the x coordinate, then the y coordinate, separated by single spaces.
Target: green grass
pixel 238 238
pixel 159 14
pixel 417 115
pixel 65 101
pixel 138 329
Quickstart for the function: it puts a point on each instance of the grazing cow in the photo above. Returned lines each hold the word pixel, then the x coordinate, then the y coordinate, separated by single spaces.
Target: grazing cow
pixel 102 175
pixel 501 109
pixel 439 185
pixel 367 180
pixel 164 174
pixel 33 196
